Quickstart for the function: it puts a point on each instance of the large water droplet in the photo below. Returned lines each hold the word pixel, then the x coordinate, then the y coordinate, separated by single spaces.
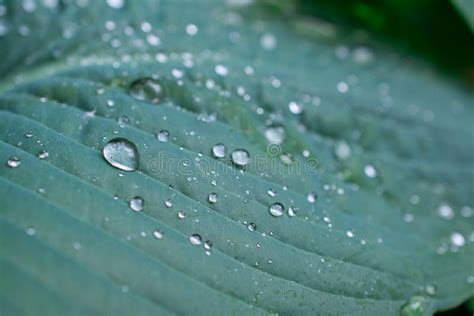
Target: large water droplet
pixel 163 136
pixel 415 306
pixel 136 204
pixel 121 154
pixel 218 150
pixel 240 157
pixel 146 89
pixel 276 209
pixel 13 162
pixel 195 239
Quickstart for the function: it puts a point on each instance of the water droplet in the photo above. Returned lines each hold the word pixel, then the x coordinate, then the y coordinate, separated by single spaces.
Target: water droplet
pixel 271 192
pixel 30 231
pixel 43 154
pixel 445 211
pixel 430 289
pixel 13 162
pixel 157 234
pixel 295 108
pixel 342 150
pixel 415 306
pixel 221 70
pixel 275 135
pixel 252 227
pixel 212 197
pixel 311 197
pixel 292 211
pixel 240 157
pixel 191 29
pixel 208 246
pixel 276 209
pixel 370 171
pixel 181 215
pixel 168 203
pixel 457 239
pixel 121 154
pixel 29 134
pixel 218 150
pixel 136 204
pixel 195 239
pixel 349 234
pixel 163 136
pixel 123 121
pixel 146 89
pixel 116 4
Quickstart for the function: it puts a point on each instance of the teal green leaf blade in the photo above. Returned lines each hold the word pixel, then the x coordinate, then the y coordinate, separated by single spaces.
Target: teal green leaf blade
pixel 386 145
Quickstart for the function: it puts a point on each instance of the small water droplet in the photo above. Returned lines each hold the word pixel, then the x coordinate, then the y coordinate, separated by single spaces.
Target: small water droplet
pixel 13 162
pixel 276 209
pixel 445 211
pixel 168 203
pixel 271 192
pixel 218 150
pixel 221 70
pixel 311 197
pixel 240 157
pixel 342 150
pixel 342 87
pixel 370 171
pixel 181 215
pixel 191 29
pixel 349 234
pixel 121 154
pixel 146 89
pixel 123 121
pixel 208 245
pixel 43 154
pixel 116 4
pixel 212 197
pixel 268 41
pixel 295 108
pixel 157 234
pixel 415 306
pixel 30 231
pixel 136 204
pixel 29 134
pixel 195 239
pixel 163 136
pixel 275 134
pixel 252 227
pixel 457 239
pixel 292 211
pixel 430 289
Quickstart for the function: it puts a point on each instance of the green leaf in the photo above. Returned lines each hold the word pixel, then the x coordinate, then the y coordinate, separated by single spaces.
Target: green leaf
pixel 385 143
pixel 466 9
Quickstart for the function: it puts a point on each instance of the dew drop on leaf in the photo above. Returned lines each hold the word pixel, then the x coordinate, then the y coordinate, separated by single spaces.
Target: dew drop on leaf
pixel 122 154
pixel 218 150
pixel 163 136
pixel 311 197
pixel 292 211
pixel 157 234
pixel 252 227
pixel 208 245
pixel 195 239
pixel 43 154
pixel 415 306
pixel 275 135
pixel 240 157
pixel 13 162
pixel 181 215
pixel 276 209
pixel 370 171
pixel 136 204
pixel 146 89
pixel 212 197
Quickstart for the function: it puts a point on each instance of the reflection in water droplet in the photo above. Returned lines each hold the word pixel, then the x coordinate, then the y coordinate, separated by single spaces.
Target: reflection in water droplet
pixel 195 239
pixel 212 197
pixel 163 136
pixel 13 162
pixel 349 234
pixel 136 204
pixel 457 239
pixel 445 211
pixel 295 108
pixel 121 154
pixel 276 209
pixel 218 150
pixel 146 89
pixel 208 245
pixel 271 192
pixel 181 215
pixel 157 234
pixel 415 306
pixel 342 150
pixel 240 157
pixel 252 227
